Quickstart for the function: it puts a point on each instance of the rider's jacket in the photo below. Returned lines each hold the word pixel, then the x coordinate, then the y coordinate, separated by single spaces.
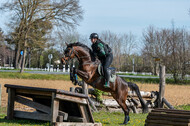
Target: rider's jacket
pixel 101 49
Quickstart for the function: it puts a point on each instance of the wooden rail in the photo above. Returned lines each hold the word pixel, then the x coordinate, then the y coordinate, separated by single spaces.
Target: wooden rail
pixel 52 105
pixel 168 117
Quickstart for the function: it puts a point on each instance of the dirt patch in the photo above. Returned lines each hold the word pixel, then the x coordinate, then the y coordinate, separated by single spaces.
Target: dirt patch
pixel 55 84
pixel 175 94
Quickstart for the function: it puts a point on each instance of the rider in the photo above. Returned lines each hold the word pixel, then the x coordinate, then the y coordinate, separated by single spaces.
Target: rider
pixel 104 53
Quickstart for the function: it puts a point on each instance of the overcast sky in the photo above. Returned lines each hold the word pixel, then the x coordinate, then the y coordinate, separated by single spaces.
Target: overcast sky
pixel 124 16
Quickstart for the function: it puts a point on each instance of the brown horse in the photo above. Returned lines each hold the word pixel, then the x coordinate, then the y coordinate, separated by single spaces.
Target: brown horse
pixel 87 70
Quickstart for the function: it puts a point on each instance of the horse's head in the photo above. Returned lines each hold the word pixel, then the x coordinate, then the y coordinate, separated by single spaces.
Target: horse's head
pixel 69 53
pixel 78 50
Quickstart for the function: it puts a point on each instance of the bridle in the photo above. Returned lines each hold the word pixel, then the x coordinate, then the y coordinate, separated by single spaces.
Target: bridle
pixel 76 53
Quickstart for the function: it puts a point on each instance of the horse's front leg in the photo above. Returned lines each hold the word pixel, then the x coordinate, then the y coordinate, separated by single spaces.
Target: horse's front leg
pixel 82 74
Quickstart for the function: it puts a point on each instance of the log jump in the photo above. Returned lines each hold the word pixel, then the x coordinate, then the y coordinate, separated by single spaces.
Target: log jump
pixel 57 106
pixel 168 117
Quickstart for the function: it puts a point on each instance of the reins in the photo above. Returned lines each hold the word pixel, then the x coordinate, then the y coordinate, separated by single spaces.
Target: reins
pixel 80 57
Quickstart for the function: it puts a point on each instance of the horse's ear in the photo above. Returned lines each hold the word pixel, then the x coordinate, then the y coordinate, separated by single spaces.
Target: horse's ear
pixel 66 44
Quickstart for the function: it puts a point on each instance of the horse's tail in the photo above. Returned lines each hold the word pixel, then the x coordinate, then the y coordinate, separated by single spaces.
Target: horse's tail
pixel 134 87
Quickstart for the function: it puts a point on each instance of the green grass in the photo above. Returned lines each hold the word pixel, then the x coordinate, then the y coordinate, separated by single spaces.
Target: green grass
pixel 33 76
pixel 106 118
pixel 117 118
pixel 19 122
pixel 155 80
pixel 18 75
pixel 136 74
pixel 183 107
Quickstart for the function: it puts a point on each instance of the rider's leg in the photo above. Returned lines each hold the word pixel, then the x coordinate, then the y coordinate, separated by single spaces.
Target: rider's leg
pixel 106 63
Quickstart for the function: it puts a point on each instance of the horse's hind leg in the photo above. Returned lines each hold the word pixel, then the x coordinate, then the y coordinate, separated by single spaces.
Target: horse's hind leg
pixel 121 101
pixel 137 91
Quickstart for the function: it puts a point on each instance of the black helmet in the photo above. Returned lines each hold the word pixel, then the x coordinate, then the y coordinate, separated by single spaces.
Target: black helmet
pixel 94 35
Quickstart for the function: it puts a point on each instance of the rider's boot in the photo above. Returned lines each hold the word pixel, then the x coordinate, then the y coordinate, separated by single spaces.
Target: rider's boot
pixel 107 84
pixel 107 79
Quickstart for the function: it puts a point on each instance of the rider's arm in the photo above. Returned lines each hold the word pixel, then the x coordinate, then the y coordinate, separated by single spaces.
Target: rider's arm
pixel 101 49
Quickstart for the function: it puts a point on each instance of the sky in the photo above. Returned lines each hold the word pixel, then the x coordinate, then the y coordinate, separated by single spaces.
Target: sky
pixel 124 16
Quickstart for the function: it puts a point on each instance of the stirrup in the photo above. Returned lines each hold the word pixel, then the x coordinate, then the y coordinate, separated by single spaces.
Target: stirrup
pixel 107 85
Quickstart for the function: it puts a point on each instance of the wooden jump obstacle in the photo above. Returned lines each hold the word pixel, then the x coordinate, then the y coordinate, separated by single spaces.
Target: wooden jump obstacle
pixel 168 117
pixel 57 106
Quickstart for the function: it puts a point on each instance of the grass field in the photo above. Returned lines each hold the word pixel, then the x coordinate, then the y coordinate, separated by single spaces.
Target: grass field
pixel 13 75
pixel 106 118
pixel 177 95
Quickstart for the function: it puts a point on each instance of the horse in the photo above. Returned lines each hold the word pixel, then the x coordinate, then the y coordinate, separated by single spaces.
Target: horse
pixel 88 72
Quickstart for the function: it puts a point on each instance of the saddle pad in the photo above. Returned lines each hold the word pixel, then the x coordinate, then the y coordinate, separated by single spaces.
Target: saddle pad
pixel 112 76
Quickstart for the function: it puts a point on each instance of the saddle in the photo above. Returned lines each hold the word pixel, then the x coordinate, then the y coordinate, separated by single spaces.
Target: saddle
pixel 111 71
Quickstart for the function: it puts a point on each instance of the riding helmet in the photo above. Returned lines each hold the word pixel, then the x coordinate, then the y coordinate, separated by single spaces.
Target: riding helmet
pixel 94 35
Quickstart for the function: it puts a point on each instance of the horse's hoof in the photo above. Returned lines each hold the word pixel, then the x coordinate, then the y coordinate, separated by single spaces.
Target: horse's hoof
pixel 145 110
pixel 123 123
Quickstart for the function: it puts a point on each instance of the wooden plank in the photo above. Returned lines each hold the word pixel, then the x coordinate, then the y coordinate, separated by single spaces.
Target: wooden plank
pixel 33 104
pixel 71 98
pixel 54 108
pixel 170 115
pixel 71 94
pixel 30 88
pixel 76 124
pixel 161 122
pixel 179 113
pixel 10 105
pixel 90 113
pixel 168 118
pixel 32 115
pixel 75 119
pixel 172 111
pixel 85 113
pixel 154 124
pixel 33 92
pixel 64 114
pixel 60 118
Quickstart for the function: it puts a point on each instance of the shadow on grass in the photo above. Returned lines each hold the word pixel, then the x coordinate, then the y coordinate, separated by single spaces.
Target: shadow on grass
pixel 21 122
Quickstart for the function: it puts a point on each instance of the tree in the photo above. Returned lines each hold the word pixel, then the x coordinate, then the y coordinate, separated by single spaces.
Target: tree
pixel 2 48
pixel 171 47
pixel 30 13
pixel 122 45
pixel 41 61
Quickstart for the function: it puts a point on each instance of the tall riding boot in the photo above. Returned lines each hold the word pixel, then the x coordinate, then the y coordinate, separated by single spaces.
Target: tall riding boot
pixel 107 79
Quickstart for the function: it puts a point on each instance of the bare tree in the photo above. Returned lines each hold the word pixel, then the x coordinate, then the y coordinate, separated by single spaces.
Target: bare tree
pixel 29 13
pixel 171 46
pixel 122 46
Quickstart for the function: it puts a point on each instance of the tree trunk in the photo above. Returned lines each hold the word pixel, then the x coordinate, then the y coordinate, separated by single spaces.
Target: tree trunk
pixel 23 61
pixel 17 56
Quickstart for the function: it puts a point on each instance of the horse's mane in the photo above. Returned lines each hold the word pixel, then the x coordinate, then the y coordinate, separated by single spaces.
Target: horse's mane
pixel 84 46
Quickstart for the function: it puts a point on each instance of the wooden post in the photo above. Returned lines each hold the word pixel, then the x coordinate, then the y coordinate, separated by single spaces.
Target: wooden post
pixel 54 108
pixel 85 88
pixel 161 86
pixel 10 106
pixel 85 91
